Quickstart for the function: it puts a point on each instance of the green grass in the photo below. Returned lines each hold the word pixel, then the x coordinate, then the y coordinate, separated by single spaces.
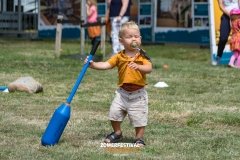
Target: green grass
pixel 196 117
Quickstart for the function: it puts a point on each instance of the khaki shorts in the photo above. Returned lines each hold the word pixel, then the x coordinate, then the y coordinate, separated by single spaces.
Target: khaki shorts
pixel 135 104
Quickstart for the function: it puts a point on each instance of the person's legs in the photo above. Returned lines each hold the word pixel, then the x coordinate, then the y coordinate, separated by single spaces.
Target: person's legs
pixel 225 29
pixel 116 115
pixel 116 128
pixel 124 20
pixel 237 64
pixel 138 113
pixel 232 59
pixel 139 135
pixel 116 46
pixel 139 131
pixel 114 35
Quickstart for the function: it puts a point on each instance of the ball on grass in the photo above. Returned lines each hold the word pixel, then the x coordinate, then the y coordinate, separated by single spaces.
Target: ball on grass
pixel 165 66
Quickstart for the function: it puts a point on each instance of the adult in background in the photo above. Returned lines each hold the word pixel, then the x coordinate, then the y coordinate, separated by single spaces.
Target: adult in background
pixel 119 13
pixel 92 14
pixel 225 6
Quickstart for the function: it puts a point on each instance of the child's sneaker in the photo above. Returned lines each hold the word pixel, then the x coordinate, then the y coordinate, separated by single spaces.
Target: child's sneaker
pixel 231 65
pixel 216 61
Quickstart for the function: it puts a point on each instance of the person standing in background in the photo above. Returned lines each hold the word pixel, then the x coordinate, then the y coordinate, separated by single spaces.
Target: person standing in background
pixel 92 14
pixel 225 6
pixel 235 38
pixel 119 14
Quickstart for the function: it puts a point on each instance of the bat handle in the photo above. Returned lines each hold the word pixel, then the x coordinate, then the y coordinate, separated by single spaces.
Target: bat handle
pixel 95 46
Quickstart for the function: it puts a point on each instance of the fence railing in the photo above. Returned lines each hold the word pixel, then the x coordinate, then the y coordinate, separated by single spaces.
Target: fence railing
pixel 13 23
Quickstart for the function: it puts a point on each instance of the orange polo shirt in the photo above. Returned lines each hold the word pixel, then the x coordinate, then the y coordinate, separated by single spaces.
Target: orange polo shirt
pixel 125 73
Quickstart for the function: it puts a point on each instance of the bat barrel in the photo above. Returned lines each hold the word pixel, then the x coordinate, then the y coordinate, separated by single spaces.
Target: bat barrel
pixel 56 125
pixel 61 115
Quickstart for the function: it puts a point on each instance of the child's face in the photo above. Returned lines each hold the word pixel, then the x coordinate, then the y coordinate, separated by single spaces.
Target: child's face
pixel 89 2
pixel 129 36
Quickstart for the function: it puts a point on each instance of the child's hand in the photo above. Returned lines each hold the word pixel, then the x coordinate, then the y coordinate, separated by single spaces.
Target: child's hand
pixel 133 65
pixel 86 60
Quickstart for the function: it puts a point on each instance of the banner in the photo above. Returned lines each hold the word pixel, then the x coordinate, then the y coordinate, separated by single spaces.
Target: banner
pixel 48 12
pixel 174 13
pixel 178 21
pixel 215 17
pixel 184 21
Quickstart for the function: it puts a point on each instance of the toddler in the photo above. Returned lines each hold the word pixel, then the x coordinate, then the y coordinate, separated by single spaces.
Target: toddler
pixel 131 97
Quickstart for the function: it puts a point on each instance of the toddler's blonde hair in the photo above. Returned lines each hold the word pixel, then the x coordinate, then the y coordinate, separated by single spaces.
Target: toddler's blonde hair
pixel 128 25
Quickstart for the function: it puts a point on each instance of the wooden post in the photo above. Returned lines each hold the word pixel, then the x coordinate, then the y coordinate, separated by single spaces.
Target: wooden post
pixel 83 6
pixel 19 17
pixel 82 40
pixel 58 37
pixel 103 36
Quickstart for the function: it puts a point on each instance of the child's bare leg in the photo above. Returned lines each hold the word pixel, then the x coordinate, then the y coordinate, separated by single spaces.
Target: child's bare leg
pixel 238 60
pixel 116 125
pixel 139 134
pixel 233 58
pixel 116 128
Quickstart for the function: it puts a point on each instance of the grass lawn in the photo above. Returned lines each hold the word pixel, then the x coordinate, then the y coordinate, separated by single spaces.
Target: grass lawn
pixel 196 117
